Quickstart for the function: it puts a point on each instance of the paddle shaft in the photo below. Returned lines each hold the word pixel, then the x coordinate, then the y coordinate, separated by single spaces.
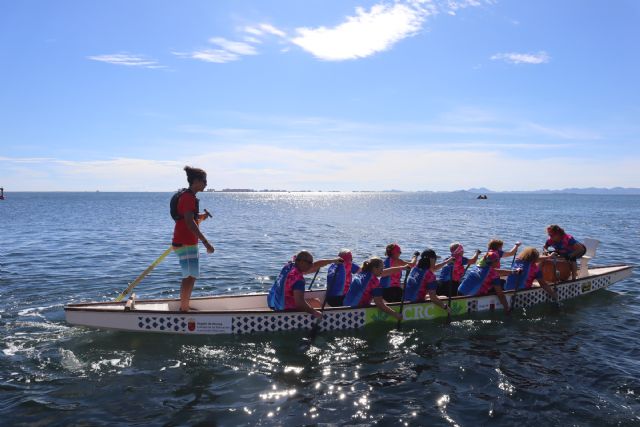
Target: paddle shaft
pixel 404 288
pixel 144 274
pixel 515 291
pixel 314 279
pixel 316 325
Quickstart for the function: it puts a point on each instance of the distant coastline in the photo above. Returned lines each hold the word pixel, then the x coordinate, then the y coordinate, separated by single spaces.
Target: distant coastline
pixel 475 191
pixel 628 191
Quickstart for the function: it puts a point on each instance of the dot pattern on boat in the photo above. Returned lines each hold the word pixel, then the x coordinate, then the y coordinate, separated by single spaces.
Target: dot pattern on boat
pixel 162 323
pixel 286 321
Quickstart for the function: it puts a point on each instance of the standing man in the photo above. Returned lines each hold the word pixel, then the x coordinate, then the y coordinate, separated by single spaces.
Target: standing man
pixel 186 233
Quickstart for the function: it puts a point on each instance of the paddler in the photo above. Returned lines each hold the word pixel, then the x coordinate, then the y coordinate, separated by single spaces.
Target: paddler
pixel 422 279
pixel 186 232
pixel 365 286
pixel 528 262
pixel 287 292
pixel 484 277
pixel 339 278
pixel 565 246
pixel 451 274
pixel 391 284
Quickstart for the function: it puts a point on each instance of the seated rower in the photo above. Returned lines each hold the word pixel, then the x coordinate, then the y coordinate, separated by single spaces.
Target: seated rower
pixel 391 284
pixel 287 292
pixel 566 246
pixel 339 278
pixel 452 273
pixel 365 286
pixel 422 280
pixel 527 262
pixel 484 277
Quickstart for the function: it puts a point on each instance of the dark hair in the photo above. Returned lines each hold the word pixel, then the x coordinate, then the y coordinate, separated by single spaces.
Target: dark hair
pixel 555 229
pixel 303 254
pixel 372 263
pixel 390 248
pixel 495 244
pixel 195 173
pixel 425 258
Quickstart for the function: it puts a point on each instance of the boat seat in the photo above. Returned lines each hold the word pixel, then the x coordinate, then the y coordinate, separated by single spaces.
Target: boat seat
pixel 591 245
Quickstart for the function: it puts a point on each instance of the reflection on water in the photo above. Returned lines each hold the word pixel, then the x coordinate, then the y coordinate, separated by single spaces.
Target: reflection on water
pixel 576 365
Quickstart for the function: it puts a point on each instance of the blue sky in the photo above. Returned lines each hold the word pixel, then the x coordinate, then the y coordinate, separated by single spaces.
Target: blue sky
pixel 330 95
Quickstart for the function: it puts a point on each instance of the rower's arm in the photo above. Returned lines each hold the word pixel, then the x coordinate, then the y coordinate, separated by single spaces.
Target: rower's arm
pixel 303 305
pixel 193 227
pixel 391 270
pixel 322 262
pixel 382 305
pixel 513 250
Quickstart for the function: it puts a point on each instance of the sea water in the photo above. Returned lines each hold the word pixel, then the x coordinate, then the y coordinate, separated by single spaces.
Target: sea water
pixel 577 365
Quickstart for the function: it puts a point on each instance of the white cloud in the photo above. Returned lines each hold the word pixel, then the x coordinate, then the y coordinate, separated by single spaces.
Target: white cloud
pixel 541 57
pixel 227 51
pixel 365 33
pixel 127 60
pixel 238 48
pixel 264 29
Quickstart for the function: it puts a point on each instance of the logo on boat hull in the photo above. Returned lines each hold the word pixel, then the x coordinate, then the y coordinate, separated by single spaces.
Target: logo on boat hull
pixel 191 325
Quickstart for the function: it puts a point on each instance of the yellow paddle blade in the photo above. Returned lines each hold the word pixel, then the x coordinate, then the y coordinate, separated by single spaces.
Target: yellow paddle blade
pixel 143 274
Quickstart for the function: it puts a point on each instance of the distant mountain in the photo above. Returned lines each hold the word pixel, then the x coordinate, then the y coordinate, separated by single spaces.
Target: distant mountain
pixel 589 190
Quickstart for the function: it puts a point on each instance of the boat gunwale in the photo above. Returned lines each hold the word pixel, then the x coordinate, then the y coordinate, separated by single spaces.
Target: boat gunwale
pixel 93 306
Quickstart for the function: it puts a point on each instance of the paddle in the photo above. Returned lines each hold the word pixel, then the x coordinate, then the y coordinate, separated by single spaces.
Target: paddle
pixel 404 288
pixel 515 291
pixel 478 252
pixel 314 279
pixel 144 274
pixel 314 329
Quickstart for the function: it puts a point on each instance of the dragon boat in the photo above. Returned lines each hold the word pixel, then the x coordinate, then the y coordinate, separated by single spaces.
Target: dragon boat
pixel 243 314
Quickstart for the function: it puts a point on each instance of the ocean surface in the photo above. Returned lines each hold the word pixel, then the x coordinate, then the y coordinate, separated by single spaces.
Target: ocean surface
pixel 578 365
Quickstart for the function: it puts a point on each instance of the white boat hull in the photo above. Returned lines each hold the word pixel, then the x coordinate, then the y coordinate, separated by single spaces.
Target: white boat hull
pixel 249 313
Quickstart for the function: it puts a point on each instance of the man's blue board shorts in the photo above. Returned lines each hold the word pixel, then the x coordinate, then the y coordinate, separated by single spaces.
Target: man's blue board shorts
pixel 189 262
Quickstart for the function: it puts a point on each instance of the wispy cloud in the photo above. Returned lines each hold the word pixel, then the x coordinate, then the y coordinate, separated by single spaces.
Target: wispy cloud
pixel 365 33
pixel 127 60
pixel 264 29
pixel 225 51
pixel 541 57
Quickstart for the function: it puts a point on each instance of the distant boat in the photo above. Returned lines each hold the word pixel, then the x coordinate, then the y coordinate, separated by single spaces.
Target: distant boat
pixel 1 193
pixel 482 196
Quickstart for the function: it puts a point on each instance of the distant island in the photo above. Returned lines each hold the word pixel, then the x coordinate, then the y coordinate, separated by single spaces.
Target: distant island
pixel 474 191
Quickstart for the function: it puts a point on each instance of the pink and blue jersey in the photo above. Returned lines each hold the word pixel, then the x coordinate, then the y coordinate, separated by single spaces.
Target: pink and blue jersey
pixel 563 247
pixel 339 278
pixel 281 294
pixel 454 271
pixel 392 281
pixel 418 283
pixel 364 287
pixel 524 280
pixel 482 276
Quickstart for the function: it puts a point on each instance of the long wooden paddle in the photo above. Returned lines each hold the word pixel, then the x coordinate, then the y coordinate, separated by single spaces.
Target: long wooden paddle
pixel 314 329
pixel 144 274
pixel 478 252
pixel 515 291
pixel 404 288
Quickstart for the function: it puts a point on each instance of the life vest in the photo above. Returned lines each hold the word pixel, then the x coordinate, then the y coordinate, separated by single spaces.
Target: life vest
pixel 479 273
pixel 394 279
pixel 281 294
pixel 360 292
pixel 455 270
pixel 336 279
pixel 416 289
pixel 521 281
pixel 173 204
